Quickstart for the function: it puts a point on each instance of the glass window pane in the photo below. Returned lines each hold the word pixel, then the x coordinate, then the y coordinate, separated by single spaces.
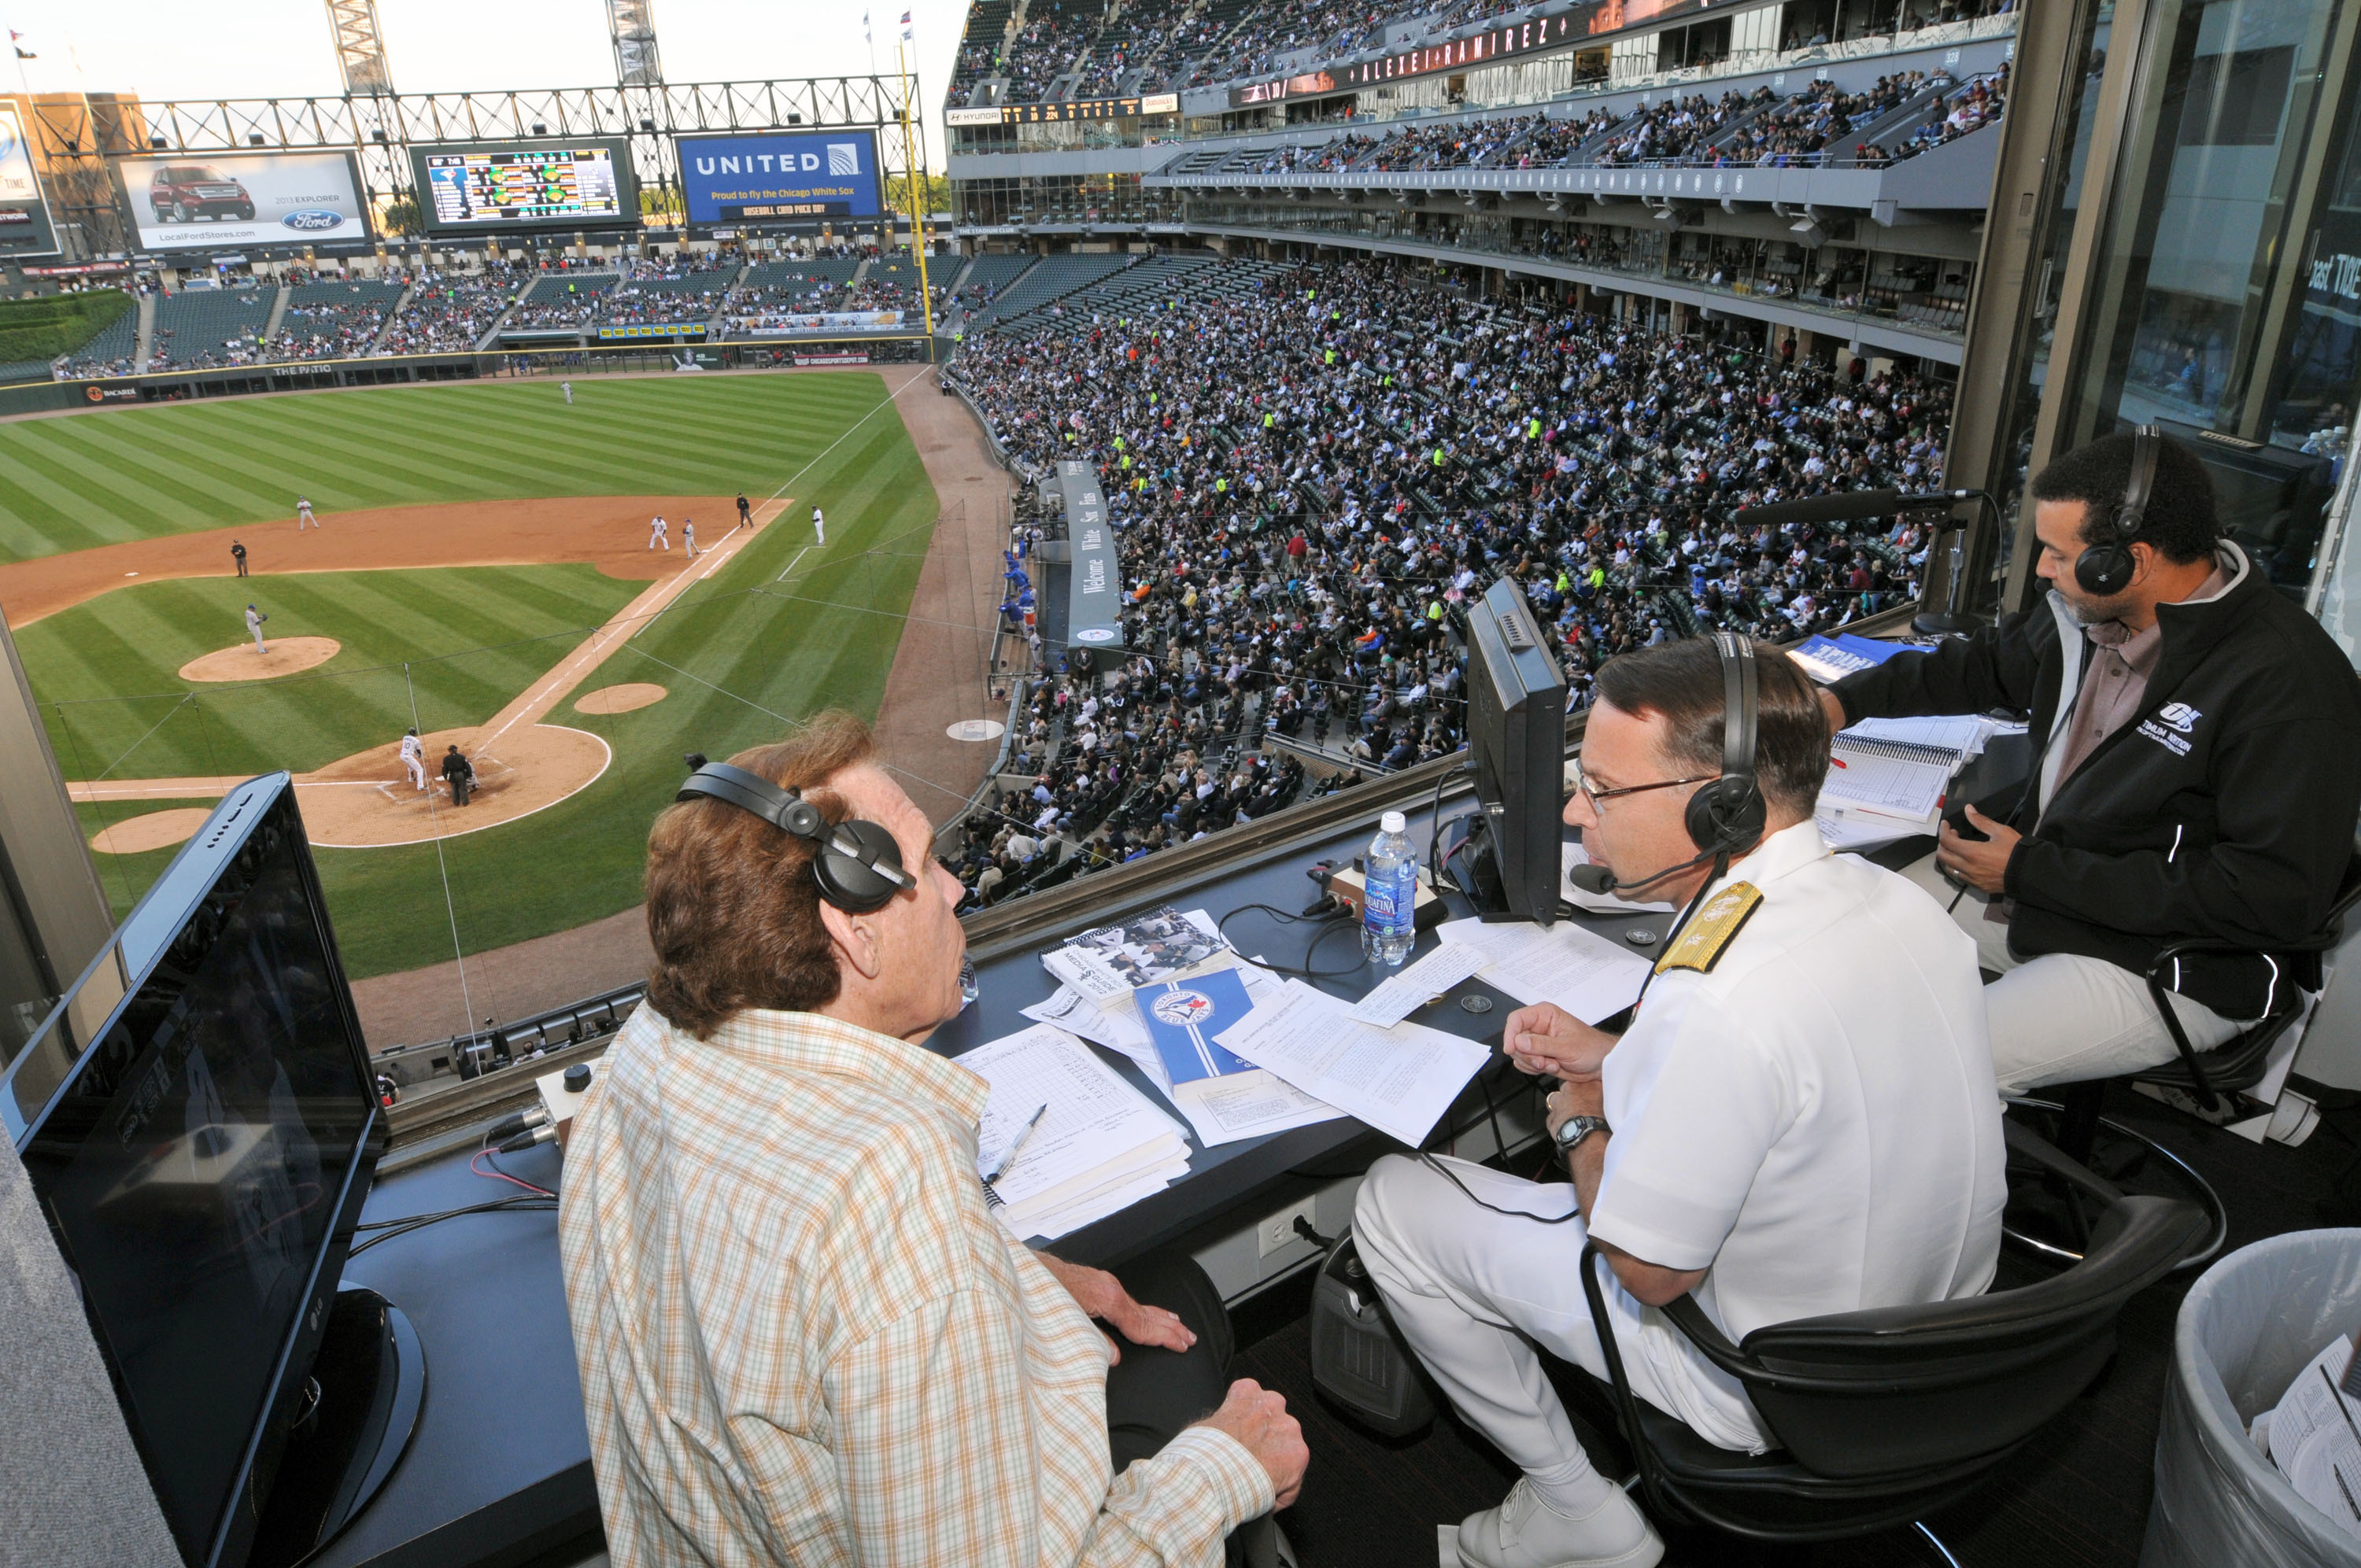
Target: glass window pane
pixel 2202 317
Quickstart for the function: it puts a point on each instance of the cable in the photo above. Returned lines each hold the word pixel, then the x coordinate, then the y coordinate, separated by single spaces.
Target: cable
pixel 1329 923
pixel 490 1159
pixel 389 1229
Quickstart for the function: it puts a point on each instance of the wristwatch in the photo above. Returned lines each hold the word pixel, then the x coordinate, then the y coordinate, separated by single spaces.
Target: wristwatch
pixel 1574 1129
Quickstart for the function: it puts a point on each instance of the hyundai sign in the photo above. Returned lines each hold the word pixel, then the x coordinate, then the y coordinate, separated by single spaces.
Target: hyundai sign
pixel 216 202
pixel 780 176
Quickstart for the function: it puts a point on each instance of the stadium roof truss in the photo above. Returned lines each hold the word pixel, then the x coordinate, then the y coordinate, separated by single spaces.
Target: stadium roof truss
pixel 381 127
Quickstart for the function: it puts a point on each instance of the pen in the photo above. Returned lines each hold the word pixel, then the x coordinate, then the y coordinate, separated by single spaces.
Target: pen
pixel 1839 763
pixel 1018 1146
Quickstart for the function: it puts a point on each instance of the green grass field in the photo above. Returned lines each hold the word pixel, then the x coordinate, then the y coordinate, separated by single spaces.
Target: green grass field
pixel 738 654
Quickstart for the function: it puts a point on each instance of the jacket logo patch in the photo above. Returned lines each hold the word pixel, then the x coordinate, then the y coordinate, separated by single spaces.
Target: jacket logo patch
pixel 2171 727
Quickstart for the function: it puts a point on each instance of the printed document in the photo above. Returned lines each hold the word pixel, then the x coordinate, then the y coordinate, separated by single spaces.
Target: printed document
pixel 1579 969
pixel 1400 1081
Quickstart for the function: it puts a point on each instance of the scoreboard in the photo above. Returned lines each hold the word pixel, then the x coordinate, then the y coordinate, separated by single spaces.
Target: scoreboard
pixel 482 187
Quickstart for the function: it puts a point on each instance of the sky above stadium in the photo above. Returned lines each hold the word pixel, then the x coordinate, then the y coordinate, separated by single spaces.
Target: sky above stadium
pixel 260 48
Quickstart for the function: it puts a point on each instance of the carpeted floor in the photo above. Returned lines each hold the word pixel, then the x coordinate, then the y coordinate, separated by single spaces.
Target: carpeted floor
pixel 2077 1496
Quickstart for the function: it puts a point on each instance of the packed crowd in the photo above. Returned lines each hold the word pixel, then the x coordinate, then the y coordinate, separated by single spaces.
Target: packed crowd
pixel 1309 477
pixel 328 329
pixel 454 311
pixel 1262 36
pixel 554 305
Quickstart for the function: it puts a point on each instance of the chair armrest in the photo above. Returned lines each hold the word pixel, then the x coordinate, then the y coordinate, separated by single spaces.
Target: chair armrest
pixel 2024 1141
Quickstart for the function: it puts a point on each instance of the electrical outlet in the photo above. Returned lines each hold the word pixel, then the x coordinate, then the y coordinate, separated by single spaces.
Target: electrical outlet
pixel 1279 1230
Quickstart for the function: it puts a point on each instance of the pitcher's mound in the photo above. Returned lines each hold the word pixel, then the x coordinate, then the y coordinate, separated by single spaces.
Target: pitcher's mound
pixel 155 830
pixel 288 655
pixel 619 698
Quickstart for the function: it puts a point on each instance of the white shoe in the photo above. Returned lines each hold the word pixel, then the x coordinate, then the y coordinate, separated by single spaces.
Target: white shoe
pixel 1526 1532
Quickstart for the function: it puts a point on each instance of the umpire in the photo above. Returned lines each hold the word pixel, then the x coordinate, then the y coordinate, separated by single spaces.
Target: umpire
pixel 460 775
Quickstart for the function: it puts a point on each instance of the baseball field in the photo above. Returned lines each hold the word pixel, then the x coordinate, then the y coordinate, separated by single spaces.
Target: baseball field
pixel 482 572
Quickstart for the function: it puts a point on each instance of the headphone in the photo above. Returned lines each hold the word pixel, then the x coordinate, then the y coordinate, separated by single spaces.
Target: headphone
pixel 856 864
pixel 2105 570
pixel 1727 816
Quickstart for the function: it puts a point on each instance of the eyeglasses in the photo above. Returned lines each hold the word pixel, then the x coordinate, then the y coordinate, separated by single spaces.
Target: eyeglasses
pixel 1600 797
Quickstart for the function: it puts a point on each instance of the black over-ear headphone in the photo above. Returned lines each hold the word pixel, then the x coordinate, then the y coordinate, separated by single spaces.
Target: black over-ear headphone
pixel 1727 816
pixel 857 864
pixel 2105 569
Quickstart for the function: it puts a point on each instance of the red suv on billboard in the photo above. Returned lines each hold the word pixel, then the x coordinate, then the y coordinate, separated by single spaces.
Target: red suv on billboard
pixel 183 191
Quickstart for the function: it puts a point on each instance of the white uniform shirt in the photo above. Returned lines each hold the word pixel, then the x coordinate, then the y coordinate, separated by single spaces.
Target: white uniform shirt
pixel 412 749
pixel 1814 1121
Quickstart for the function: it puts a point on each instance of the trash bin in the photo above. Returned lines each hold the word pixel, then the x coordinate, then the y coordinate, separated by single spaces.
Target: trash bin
pixel 2247 1328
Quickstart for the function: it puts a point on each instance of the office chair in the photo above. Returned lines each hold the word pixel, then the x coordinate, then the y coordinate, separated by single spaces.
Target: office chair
pixel 2238 1063
pixel 1884 1416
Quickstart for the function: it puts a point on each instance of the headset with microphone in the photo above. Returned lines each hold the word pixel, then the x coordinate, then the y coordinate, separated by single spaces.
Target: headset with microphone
pixel 856 864
pixel 1725 817
pixel 2107 568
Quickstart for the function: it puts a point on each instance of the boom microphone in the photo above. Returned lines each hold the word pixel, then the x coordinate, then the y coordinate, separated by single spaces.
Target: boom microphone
pixel 1846 506
pixel 1596 879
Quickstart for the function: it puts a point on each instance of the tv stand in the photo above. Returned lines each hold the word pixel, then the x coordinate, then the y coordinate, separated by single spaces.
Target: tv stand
pixel 368 1383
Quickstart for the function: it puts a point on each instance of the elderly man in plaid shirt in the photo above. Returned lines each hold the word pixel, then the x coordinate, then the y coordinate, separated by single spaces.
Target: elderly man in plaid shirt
pixel 802 1336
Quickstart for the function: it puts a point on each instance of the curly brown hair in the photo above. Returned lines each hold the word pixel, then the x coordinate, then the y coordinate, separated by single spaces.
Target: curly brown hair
pixel 733 912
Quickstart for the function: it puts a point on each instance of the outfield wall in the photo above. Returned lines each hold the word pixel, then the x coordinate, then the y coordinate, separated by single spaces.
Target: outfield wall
pixel 395 369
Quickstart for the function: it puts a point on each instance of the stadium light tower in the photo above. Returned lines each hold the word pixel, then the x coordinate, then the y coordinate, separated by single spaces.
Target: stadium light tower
pixel 360 47
pixel 633 25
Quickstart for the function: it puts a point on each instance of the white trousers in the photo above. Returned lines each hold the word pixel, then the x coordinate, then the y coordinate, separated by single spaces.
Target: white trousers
pixel 417 770
pixel 2064 1018
pixel 1474 1292
pixel 819 531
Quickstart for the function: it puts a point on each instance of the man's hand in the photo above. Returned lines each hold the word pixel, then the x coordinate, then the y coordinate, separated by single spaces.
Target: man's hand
pixel 1576 1097
pixel 1257 1417
pixel 1832 705
pixel 1545 1040
pixel 1102 1295
pixel 1983 865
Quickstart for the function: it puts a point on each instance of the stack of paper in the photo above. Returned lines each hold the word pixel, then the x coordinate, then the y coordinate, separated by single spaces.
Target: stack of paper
pixel 1101 1145
pixel 1400 1081
pixel 1579 969
pixel 1238 1102
pixel 1106 964
pixel 1225 1098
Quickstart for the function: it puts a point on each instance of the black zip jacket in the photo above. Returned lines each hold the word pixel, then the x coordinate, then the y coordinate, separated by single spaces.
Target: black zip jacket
pixel 2224 809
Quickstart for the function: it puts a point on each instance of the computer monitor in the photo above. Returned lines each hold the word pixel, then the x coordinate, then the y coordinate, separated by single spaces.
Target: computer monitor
pixel 199 1126
pixel 1516 744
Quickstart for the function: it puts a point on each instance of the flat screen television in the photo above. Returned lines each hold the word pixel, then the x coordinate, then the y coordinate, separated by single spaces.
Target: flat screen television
pixel 1516 744
pixel 199 1125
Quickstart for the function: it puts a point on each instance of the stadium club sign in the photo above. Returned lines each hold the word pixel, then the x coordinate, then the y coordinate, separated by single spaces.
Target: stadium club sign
pixel 1058 114
pixel 652 329
pixel 1597 20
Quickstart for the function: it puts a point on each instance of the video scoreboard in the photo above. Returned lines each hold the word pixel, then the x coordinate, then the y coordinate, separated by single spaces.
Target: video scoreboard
pixel 479 187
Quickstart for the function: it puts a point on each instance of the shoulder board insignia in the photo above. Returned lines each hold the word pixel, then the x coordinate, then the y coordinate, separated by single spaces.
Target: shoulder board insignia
pixel 1712 928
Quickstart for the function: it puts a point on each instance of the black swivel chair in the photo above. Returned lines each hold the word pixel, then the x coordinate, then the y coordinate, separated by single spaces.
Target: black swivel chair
pixel 1886 1416
pixel 2205 1076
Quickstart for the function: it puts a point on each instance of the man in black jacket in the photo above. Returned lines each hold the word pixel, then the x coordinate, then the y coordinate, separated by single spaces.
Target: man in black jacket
pixel 2197 773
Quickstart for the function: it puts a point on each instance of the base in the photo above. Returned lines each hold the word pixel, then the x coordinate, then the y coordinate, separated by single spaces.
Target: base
pixel 369 1380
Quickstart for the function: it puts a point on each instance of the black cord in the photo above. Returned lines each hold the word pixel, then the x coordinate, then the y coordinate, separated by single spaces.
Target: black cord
pixel 1330 923
pixel 1434 835
pixel 1446 1173
pixel 523 1202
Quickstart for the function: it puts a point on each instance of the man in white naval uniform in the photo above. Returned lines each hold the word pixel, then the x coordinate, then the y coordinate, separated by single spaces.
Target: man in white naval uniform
pixel 1800 1119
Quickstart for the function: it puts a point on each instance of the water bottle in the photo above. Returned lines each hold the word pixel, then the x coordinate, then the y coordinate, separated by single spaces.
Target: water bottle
pixel 1388 914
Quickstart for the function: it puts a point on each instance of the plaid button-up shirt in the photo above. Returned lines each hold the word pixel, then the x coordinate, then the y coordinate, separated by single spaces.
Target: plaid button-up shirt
pixel 803 1338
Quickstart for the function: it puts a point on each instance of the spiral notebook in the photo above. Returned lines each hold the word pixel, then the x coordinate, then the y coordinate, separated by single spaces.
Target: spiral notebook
pixel 1899 768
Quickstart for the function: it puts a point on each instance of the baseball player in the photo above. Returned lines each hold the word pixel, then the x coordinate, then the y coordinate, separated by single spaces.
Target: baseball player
pixel 568 388
pixel 413 757
pixel 688 536
pixel 819 525
pixel 303 513
pixel 237 553
pixel 658 533
pixel 253 620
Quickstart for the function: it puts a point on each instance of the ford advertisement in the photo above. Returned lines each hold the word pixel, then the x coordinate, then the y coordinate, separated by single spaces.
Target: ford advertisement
pixel 25 228
pixel 780 176
pixel 206 200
